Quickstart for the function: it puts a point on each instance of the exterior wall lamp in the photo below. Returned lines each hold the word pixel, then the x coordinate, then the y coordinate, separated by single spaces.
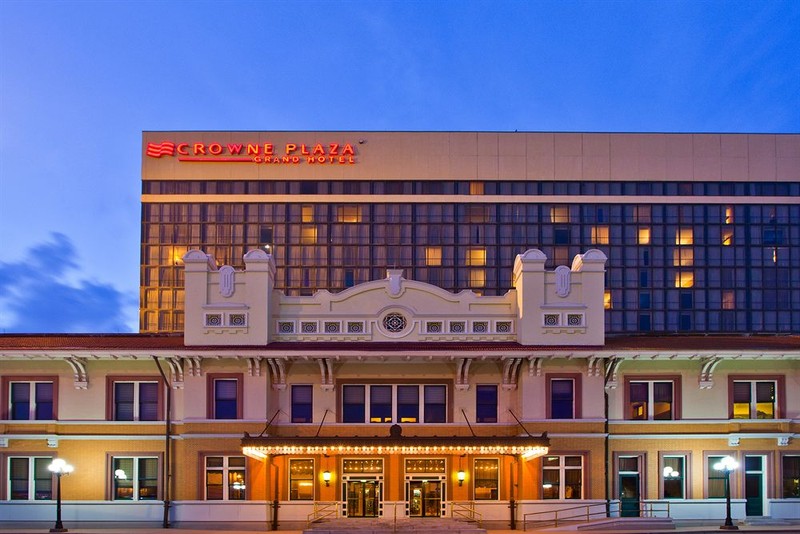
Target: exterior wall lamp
pixel 726 465
pixel 59 468
pixel 326 476
pixel 461 476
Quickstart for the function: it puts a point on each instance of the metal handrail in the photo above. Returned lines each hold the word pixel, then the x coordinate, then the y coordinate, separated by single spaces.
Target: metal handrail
pixel 465 510
pixel 646 509
pixel 323 510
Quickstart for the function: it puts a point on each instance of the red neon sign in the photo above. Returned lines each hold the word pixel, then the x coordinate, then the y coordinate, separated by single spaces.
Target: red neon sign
pixel 295 154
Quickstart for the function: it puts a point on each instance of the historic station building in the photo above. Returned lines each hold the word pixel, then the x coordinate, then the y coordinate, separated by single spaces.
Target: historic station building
pixel 477 325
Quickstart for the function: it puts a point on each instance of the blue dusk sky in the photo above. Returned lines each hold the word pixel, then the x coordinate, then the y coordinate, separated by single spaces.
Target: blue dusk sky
pixel 80 81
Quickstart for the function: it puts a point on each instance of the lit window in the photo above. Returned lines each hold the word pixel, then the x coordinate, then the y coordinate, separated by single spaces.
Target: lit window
pixel 791 477
pixel 728 300
pixel 349 214
pixel 225 478
pixel 559 214
pixel 308 235
pixel 727 237
pixel 562 477
pixel 715 478
pixel 673 476
pixel 477 278
pixel 380 404
pixel 683 257
pixel 477 213
pixel 754 399
pixel 308 214
pixel 433 256
pixel 684 279
pixel 301 480
pixel 728 214
pixel 600 235
pixel 136 401
pixel 31 400
pixel 486 475
pixel 644 235
pixel 650 400
pixel 684 236
pixel 607 302
pixel 476 188
pixel 135 479
pixel 386 403
pixel 476 256
pixel 29 479
pixel 302 397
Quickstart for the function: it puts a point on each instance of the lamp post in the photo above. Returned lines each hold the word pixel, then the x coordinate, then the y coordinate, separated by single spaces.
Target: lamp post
pixel 60 468
pixel 726 465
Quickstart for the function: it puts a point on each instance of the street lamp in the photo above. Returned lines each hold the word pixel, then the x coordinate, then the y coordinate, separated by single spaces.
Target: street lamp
pixel 59 467
pixel 726 465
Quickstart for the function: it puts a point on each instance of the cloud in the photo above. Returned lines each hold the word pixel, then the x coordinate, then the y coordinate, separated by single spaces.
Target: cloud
pixel 42 293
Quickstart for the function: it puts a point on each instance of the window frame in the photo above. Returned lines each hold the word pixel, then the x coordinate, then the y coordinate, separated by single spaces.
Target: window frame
pixel 295 406
pixel 562 469
pixel 211 397
pixel 577 395
pixel 494 493
pixel 478 404
pixel 708 470
pixel 112 380
pixel 686 476
pixel 5 468
pixel 780 394
pixel 651 379
pixel 783 477
pixel 420 405
pixel 226 469
pixel 290 479
pixel 5 391
pixel 111 484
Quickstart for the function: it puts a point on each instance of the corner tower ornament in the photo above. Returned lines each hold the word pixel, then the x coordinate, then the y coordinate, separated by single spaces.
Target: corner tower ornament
pixel 563 282
pixel 226 281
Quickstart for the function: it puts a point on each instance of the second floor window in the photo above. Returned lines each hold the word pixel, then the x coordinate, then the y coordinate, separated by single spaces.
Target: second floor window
pixel 385 403
pixel 562 398
pixel 31 401
pixel 302 403
pixel 754 399
pixel 225 401
pixel 486 404
pixel 650 399
pixel 136 401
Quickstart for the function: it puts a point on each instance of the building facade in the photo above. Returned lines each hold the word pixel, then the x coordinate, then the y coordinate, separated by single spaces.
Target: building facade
pixel 702 231
pixel 397 398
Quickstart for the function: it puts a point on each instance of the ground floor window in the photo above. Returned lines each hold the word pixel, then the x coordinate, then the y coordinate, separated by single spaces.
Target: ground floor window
pixel 673 476
pixel 135 478
pixel 225 478
pixel 715 481
pixel 29 479
pixel 301 480
pixel 562 477
pixel 791 477
pixel 487 479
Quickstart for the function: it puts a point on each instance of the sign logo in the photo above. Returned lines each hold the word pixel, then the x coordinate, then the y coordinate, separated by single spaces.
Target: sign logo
pixel 291 154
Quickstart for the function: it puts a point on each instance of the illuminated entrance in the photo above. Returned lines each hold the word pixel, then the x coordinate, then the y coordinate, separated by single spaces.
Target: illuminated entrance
pixel 425 487
pixel 362 484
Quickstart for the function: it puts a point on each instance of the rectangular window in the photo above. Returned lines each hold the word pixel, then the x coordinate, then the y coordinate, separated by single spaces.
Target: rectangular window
pixel 135 478
pixel 673 476
pixel 683 257
pixel 486 404
pixel 727 237
pixel 754 399
pixel 308 235
pixel 715 478
pixel 353 404
pixel 302 405
pixel 307 214
pixel 684 236
pixel 433 256
pixel 728 300
pixel 487 479
pixel 476 188
pixel 225 400
pixel 559 214
pixel 435 404
pixel 644 235
pixel 225 478
pixel 348 214
pixel 600 235
pixel 477 278
pixel 684 279
pixel 608 303
pixel 29 479
pixel 562 477
pixel 135 401
pixel 728 214
pixel 791 477
pixel 408 404
pixel 650 400
pixel 562 398
pixel 476 257
pixel 301 480
pixel 380 404
pixel 31 401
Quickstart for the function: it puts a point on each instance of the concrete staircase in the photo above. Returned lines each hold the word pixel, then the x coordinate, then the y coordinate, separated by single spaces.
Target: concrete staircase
pixel 384 526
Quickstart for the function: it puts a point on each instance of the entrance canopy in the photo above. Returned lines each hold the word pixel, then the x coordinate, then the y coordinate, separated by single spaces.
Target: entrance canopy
pixel 526 446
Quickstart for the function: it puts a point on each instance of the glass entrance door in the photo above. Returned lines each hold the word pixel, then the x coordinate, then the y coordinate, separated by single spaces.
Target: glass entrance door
pixel 363 497
pixel 424 498
pixel 629 494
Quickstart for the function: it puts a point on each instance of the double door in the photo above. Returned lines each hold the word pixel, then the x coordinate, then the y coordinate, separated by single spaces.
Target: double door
pixel 424 498
pixel 363 498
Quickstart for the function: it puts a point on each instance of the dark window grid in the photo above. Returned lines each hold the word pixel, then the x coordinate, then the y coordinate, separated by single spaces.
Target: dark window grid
pixel 226 398
pixel 486 404
pixel 302 403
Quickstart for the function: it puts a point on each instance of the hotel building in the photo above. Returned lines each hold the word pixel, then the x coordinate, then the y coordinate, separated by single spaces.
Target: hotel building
pixel 435 324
